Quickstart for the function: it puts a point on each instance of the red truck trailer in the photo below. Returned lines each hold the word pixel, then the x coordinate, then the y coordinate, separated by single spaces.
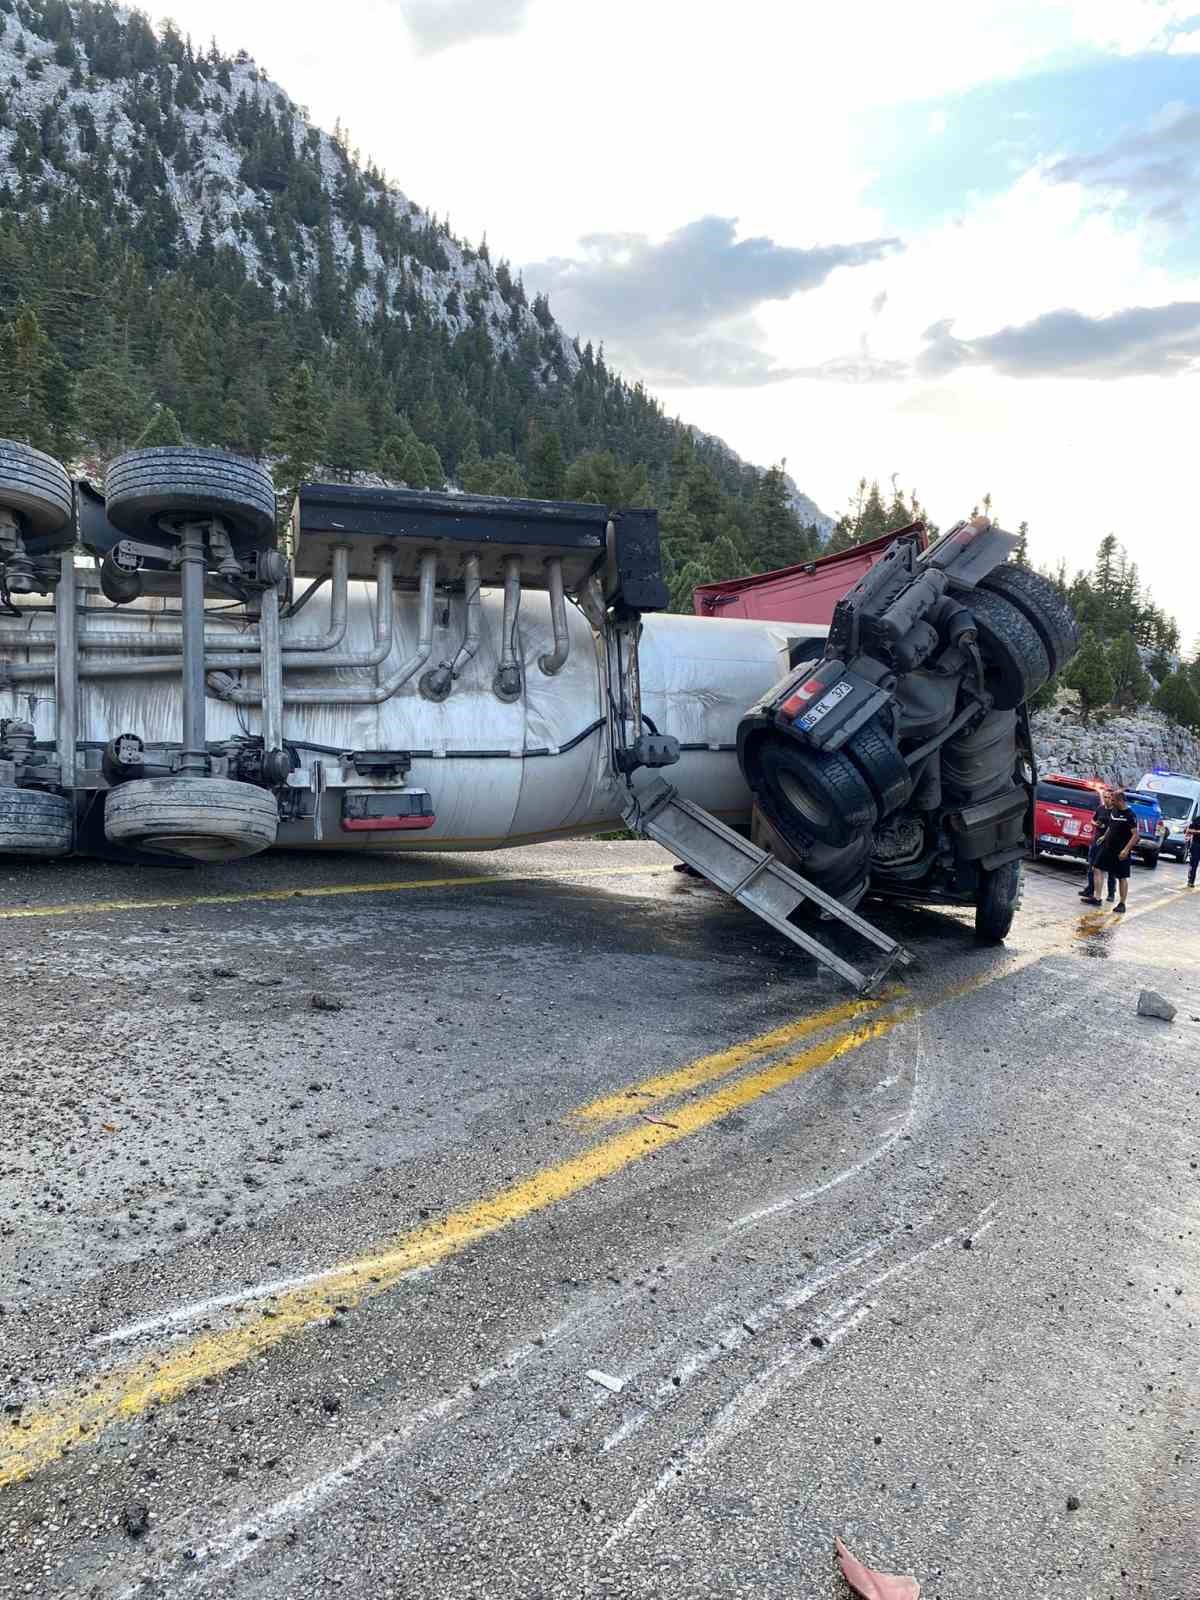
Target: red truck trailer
pixel 804 593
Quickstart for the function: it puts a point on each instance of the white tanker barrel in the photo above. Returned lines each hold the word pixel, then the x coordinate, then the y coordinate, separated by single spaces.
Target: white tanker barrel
pixel 445 687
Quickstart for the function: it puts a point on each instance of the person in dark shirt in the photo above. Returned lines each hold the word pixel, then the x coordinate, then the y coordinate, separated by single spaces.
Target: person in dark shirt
pixel 1116 847
pixel 1192 836
pixel 1100 821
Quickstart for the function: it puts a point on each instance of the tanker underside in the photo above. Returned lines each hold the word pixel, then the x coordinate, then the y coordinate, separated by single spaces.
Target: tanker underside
pixel 408 670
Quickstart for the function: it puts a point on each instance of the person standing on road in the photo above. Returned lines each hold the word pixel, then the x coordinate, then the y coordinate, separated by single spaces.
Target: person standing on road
pixel 1100 820
pixel 1116 847
pixel 1192 835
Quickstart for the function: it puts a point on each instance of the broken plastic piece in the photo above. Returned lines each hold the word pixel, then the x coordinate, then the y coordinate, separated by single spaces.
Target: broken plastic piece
pixel 613 1385
pixel 874 1585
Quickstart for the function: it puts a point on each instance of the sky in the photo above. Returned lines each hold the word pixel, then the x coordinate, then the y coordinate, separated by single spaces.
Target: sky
pixel 952 244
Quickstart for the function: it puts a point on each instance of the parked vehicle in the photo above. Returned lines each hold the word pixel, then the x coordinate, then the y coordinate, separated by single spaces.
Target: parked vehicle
pixel 1063 811
pixel 1152 829
pixel 1178 796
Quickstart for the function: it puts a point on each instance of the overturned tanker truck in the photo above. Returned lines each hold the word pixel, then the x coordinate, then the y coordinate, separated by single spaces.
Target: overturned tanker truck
pixel 409 670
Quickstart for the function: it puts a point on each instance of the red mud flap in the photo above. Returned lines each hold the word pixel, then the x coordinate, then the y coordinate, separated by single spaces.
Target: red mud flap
pixel 387 811
pixel 384 824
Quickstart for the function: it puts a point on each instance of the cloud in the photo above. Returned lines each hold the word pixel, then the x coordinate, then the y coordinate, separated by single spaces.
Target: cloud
pixel 681 310
pixel 441 24
pixel 1158 168
pixel 1141 341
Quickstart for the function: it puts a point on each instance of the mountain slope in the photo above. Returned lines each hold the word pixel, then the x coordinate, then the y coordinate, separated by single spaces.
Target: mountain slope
pixel 178 242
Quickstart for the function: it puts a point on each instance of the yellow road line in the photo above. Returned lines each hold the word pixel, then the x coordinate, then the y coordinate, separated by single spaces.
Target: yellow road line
pixel 51 1428
pixel 628 1102
pixel 55 1426
pixel 325 891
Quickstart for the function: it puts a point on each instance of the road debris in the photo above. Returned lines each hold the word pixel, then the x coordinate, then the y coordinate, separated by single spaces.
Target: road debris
pixel 1152 1004
pixel 606 1380
pixel 135 1519
pixel 871 1585
pixel 326 1002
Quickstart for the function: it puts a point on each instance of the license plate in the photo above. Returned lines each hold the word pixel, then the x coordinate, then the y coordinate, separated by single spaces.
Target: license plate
pixel 1072 827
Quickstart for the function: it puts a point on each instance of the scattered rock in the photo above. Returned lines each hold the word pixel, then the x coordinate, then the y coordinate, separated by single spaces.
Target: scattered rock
pixel 817 1342
pixel 606 1380
pixel 1152 1004
pixel 326 1002
pixel 968 1243
pixel 1073 1502
pixel 196 994
pixel 224 972
pixel 331 1403
pixel 135 1519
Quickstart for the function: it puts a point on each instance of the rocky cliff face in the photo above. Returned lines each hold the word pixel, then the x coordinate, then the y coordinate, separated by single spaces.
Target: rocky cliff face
pixel 1121 749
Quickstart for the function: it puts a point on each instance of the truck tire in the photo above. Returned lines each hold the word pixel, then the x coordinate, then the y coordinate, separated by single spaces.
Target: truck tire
pixel 204 819
pixel 36 486
pixel 996 902
pixel 1015 661
pixel 823 796
pixel 34 822
pixel 177 480
pixel 1149 859
pixel 1043 605
pixel 875 754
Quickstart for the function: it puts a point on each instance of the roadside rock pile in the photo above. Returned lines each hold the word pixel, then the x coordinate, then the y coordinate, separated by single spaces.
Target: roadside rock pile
pixel 1120 749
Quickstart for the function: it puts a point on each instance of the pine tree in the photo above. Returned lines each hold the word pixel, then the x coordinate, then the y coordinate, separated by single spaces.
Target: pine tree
pixel 499 474
pixel 350 446
pixel 25 359
pixel 1021 553
pixel 163 428
pixel 1131 683
pixel 300 429
pixel 1089 675
pixel 779 536
pixel 547 468
pixel 1178 699
pixel 867 518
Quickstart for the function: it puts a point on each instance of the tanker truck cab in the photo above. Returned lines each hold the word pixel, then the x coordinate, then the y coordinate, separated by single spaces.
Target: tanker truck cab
pixel 1178 796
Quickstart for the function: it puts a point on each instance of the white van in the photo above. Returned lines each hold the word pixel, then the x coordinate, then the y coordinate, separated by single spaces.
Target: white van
pixel 1178 795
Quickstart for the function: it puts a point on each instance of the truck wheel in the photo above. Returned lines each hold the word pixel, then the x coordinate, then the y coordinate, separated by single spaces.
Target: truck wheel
pixel 996 902
pixel 175 480
pixel 1043 605
pixel 1015 661
pixel 36 486
pixel 34 822
pixel 875 753
pixel 1150 860
pixel 823 796
pixel 204 819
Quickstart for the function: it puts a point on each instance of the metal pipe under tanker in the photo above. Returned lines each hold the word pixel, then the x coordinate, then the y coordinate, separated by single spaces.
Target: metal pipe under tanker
pixel 498 772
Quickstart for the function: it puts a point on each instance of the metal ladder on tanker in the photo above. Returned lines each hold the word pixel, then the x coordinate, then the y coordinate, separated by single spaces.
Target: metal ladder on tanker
pixel 755 879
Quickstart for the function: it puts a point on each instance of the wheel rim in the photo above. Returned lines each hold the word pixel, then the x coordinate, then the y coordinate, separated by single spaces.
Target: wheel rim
pixel 804 801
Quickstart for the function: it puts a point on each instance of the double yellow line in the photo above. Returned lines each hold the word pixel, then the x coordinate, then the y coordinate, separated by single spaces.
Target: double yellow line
pixel 61 1423
pixel 50 1429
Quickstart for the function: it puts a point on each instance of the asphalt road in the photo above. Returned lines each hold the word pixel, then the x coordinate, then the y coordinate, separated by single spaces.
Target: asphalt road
pixel 590 1242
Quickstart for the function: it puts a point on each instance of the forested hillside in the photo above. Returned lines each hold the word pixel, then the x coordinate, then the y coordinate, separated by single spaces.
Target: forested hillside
pixel 182 254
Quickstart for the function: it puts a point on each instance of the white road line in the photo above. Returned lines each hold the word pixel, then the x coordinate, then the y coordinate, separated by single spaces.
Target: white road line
pixel 753 1398
pixel 184 1316
pixel 731 1338
pixel 803 1196
pixel 761 1390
